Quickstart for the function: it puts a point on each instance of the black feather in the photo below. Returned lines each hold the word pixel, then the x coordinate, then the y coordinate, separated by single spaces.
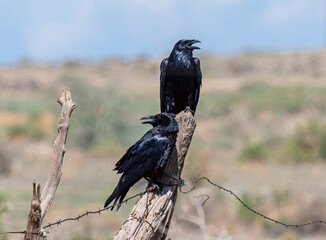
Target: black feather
pixel 146 158
pixel 180 79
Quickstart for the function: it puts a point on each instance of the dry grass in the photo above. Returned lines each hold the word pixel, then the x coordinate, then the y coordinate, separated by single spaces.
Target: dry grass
pixel 253 110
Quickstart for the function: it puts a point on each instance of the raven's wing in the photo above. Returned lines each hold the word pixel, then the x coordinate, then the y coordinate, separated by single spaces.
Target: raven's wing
pixel 148 153
pixel 150 147
pixel 198 81
pixel 163 67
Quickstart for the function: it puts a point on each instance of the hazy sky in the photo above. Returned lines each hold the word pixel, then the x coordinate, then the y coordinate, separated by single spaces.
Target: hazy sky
pixel 95 29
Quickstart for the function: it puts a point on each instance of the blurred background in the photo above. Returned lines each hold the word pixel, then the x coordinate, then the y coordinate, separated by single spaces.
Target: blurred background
pixel 261 117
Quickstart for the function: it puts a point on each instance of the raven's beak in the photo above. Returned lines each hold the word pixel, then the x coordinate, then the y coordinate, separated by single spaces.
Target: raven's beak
pixel 150 118
pixel 191 42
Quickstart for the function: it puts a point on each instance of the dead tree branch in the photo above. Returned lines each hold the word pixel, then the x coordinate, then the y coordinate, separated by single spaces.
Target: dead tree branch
pixel 150 217
pixel 59 150
pixel 34 217
pixel 41 202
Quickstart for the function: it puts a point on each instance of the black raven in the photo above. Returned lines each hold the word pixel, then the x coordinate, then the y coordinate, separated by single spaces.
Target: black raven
pixel 147 157
pixel 180 78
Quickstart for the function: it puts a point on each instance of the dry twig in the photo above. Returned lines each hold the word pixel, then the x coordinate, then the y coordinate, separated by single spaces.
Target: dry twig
pixel 41 202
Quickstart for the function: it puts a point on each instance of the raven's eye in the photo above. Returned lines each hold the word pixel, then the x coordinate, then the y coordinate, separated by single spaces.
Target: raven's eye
pixel 163 120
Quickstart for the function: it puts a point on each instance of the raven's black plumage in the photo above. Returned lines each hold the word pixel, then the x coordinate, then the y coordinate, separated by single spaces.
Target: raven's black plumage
pixel 147 157
pixel 180 78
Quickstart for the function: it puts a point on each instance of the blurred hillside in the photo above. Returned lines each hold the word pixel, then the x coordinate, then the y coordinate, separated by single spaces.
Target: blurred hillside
pixel 261 131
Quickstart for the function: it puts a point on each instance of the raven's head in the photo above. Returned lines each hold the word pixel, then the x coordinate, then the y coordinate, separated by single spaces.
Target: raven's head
pixel 186 45
pixel 164 121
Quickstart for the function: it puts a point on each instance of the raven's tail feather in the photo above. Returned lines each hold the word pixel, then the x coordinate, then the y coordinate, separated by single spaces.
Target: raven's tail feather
pixel 110 199
pixel 118 196
pixel 120 192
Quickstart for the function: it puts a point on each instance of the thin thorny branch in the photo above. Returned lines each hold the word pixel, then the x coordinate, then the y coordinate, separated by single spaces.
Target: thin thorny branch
pixel 180 184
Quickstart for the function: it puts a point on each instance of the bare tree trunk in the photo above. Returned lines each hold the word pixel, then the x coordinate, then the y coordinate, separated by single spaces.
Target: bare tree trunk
pixel 41 202
pixel 151 216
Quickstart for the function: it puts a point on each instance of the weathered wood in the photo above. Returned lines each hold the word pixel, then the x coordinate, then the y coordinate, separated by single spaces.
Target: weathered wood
pixel 34 217
pixel 41 202
pixel 59 150
pixel 151 216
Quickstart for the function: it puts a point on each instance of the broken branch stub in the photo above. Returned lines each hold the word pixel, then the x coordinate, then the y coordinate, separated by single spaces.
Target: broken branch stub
pixel 34 217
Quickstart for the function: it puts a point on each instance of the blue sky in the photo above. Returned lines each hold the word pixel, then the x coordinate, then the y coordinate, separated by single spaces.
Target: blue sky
pixel 52 31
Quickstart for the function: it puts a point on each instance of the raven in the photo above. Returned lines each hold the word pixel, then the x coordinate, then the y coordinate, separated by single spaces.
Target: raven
pixel 147 157
pixel 180 78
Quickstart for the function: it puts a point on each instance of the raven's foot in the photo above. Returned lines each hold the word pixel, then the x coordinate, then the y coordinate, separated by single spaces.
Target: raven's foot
pixel 152 187
pixel 187 109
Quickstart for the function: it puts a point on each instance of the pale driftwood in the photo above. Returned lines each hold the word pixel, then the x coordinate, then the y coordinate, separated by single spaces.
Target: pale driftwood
pixel 41 202
pixel 151 216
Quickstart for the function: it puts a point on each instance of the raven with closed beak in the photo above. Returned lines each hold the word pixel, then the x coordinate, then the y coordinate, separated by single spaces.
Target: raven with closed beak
pixel 180 78
pixel 147 157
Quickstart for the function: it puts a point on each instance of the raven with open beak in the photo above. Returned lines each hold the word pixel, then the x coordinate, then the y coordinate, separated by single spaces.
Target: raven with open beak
pixel 147 157
pixel 180 78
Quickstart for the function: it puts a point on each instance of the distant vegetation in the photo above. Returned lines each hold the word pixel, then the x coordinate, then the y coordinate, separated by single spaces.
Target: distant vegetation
pixel 106 118
pixel 261 119
pixel 253 151
pixel 307 143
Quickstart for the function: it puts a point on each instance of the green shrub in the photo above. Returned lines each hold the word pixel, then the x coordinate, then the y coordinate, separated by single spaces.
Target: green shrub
pixel 280 196
pixel 262 97
pixel 5 162
pixel 22 104
pixel 253 151
pixel 25 130
pixel 322 148
pixel 244 213
pixel 307 143
pixel 17 130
